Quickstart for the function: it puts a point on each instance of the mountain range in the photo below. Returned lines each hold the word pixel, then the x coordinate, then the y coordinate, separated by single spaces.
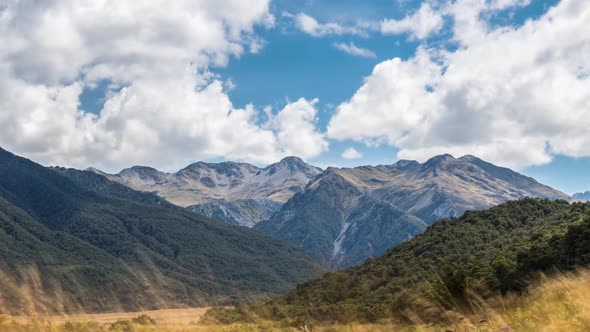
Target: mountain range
pixel 74 241
pixel 235 193
pixel 340 216
pixel 346 215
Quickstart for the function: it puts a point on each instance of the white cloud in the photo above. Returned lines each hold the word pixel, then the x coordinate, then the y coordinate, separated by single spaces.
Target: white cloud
pixel 296 128
pixel 311 26
pixel 352 49
pixel 420 24
pixel 514 96
pixel 172 110
pixel 351 153
pixel 61 40
pixel 469 27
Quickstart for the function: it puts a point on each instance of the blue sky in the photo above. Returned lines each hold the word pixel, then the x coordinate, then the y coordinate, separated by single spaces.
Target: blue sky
pixel 294 65
pixel 434 99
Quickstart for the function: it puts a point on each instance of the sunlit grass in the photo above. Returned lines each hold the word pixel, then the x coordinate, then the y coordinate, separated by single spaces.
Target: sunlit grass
pixel 559 303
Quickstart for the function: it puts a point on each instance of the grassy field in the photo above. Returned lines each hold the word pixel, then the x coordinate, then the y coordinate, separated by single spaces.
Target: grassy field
pixel 560 303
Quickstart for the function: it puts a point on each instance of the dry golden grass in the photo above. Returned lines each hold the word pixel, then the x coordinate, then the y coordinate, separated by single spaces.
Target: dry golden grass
pixel 557 304
pixel 560 303
pixel 162 317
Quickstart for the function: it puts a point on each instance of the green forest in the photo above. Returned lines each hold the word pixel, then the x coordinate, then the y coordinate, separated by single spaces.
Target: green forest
pixel 74 245
pixel 487 253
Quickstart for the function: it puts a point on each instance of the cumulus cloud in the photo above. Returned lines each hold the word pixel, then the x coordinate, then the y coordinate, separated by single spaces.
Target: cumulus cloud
pixel 351 153
pixel 311 26
pixel 513 95
pixel 419 25
pixel 170 109
pixel 352 49
pixel 296 128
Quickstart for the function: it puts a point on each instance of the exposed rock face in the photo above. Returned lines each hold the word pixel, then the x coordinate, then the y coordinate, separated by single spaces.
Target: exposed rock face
pixel 345 216
pixel 243 212
pixel 236 193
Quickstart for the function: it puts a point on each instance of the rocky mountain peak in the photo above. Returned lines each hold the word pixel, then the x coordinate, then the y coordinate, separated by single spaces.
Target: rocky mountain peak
pixel 229 169
pixel 433 165
pixel 403 163
pixel 240 192
pixel 346 215
pixel 143 172
pixel 437 160
pixel 292 160
pixel 293 165
pixel 470 158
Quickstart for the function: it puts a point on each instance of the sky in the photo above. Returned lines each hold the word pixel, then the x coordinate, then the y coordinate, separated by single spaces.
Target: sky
pixel 111 84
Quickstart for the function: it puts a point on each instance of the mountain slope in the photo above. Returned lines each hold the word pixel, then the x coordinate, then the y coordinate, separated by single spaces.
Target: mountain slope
pixel 243 212
pixel 483 252
pixel 67 248
pixel 237 193
pixel 347 215
pixel 338 224
pixel 101 185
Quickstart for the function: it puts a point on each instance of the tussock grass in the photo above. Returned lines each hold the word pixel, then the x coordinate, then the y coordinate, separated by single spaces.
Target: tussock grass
pixel 558 303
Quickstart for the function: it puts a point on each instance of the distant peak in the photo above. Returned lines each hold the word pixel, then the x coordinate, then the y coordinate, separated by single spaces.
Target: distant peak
pixel 585 196
pixel 332 169
pixel 293 164
pixel 440 158
pixel 139 169
pixel 197 165
pixel 405 163
pixel 143 168
pixel 94 170
pixel 221 164
pixel 292 160
pixel 227 168
pixel 469 157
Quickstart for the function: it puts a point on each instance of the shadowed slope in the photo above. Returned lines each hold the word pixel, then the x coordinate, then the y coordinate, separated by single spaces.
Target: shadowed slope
pixel 72 249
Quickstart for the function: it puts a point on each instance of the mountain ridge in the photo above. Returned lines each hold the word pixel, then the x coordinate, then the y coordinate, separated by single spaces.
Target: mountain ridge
pixel 234 192
pixel 441 187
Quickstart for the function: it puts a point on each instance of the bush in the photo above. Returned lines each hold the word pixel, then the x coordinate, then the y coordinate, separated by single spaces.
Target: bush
pixel 143 320
pixel 122 326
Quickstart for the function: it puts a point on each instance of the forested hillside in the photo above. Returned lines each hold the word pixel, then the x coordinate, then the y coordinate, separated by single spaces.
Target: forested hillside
pixel 66 248
pixel 488 252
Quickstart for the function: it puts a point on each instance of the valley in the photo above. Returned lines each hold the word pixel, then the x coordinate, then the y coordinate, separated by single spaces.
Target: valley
pixel 112 256
pixel 294 166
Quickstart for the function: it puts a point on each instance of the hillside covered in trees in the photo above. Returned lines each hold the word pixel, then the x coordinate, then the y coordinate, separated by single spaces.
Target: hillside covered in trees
pixel 77 243
pixel 486 253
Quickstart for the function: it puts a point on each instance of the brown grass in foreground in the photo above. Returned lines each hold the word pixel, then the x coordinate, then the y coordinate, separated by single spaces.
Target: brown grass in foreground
pixel 560 303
